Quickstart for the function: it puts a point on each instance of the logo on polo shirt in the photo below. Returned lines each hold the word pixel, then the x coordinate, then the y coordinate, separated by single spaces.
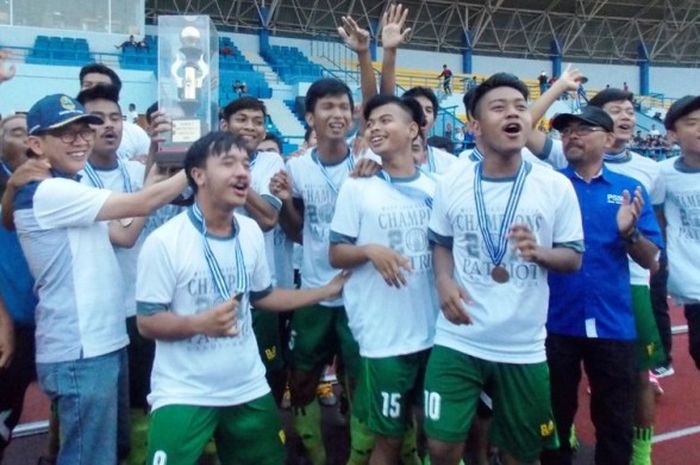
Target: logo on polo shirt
pixel 615 198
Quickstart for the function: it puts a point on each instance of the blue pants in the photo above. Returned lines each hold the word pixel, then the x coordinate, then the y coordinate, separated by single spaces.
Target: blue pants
pixel 91 397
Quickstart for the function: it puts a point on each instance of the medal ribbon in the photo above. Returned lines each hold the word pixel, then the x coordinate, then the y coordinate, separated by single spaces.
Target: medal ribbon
pixel 6 168
pixel 497 252
pixel 97 181
pixel 432 168
pixel 242 283
pixel 617 157
pixel 349 162
pixel 413 193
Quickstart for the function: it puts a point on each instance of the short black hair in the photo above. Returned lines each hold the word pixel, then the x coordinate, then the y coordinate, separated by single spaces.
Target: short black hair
pixel 409 105
pixel 243 103
pixel 99 68
pixel 326 87
pixel 415 92
pixel 466 100
pixel 493 82
pixel 215 143
pixel 611 94
pixel 149 112
pixel 99 92
pixel 276 139
pixel 441 142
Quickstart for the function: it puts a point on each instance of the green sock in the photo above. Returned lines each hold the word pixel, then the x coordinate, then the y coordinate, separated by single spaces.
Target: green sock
pixel 361 442
pixel 307 422
pixel 409 447
pixel 641 446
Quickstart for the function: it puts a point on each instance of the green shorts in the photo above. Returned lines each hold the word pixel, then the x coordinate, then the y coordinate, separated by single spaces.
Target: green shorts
pixel 319 333
pixel 523 423
pixel 267 333
pixel 247 433
pixel 650 351
pixel 388 389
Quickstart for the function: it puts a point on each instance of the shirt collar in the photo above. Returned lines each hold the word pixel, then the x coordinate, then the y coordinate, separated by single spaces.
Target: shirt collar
pixel 60 174
pixel 603 174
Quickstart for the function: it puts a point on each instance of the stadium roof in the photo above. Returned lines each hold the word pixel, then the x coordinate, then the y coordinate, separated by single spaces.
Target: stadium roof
pixel 599 30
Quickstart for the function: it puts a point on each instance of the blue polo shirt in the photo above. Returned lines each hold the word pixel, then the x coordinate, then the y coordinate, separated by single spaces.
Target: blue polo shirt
pixel 596 301
pixel 16 282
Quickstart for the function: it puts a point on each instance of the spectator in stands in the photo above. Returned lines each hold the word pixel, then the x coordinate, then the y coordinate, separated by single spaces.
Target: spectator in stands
pixel 625 87
pixel 638 139
pixel 144 44
pixel 471 84
pixel 133 114
pixel 448 130
pixel 135 142
pixel 654 132
pixel 542 79
pixel 446 76
pixel 442 143
pixel 128 43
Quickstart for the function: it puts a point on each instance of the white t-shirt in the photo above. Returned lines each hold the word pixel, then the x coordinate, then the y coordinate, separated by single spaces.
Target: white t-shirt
pixel 648 173
pixel 384 320
pixel 508 319
pixel 263 167
pixel 310 185
pixel 114 181
pixel 438 161
pixel 681 186
pixel 80 313
pixel 173 276
pixel 135 141
pixel 524 153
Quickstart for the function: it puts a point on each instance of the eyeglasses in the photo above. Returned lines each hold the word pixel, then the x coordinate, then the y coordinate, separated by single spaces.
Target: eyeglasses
pixel 68 137
pixel 580 131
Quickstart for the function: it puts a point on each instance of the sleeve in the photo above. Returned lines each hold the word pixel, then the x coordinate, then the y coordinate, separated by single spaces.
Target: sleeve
pixel 345 226
pixel 155 278
pixel 658 188
pixel 137 173
pixel 647 224
pixel 568 225
pixel 440 228
pixel 273 164
pixel 553 153
pixel 261 282
pixel 60 203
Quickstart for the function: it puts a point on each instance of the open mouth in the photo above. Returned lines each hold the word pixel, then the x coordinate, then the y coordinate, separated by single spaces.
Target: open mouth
pixel 241 187
pixel 513 128
pixel 336 126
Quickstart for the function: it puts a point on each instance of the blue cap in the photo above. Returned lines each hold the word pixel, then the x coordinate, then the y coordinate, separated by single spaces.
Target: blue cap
pixel 55 111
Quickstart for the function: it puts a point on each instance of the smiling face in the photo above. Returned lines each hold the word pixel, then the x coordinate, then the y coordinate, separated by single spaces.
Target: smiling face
pixel 225 178
pixel 66 157
pixel 331 117
pixel 686 132
pixel 249 124
pixel 108 135
pixel 390 130
pixel 623 116
pixel 502 121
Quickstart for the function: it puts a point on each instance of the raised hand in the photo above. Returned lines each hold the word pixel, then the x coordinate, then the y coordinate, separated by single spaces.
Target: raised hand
pixel 6 73
pixel 629 211
pixel 570 79
pixel 452 298
pixel 524 241
pixel 218 321
pixel 33 169
pixel 389 264
pixel 354 37
pixel 280 186
pixel 392 33
pixel 365 168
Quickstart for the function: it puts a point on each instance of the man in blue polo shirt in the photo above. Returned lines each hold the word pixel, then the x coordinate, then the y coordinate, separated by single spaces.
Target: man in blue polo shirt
pixel 590 312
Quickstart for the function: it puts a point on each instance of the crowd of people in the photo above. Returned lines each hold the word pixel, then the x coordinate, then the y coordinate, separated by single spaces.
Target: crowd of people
pixel 455 294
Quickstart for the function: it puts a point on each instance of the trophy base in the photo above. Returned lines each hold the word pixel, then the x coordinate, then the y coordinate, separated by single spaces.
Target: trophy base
pixel 170 158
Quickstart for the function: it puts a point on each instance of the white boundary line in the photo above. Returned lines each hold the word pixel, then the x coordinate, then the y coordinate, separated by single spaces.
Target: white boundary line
pixel 676 434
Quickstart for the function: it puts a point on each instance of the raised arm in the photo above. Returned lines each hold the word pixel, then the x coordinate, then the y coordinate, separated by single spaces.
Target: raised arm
pixel 357 40
pixel 393 34
pixel 569 81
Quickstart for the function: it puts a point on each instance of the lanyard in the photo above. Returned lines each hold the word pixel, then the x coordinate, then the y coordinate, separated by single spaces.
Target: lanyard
pixel 242 283
pixel 6 168
pixel 413 193
pixel 349 163
pixel 497 252
pixel 97 181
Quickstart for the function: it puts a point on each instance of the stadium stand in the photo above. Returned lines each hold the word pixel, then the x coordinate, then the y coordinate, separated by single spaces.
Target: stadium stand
pixel 59 51
pixel 291 64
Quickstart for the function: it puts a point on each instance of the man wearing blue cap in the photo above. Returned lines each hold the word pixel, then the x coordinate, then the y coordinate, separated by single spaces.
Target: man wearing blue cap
pixel 64 229
pixel 590 316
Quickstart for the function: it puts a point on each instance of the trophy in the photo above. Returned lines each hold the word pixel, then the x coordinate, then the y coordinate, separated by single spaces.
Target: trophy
pixel 188 83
